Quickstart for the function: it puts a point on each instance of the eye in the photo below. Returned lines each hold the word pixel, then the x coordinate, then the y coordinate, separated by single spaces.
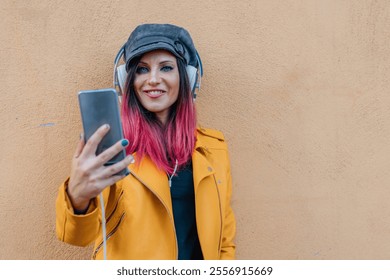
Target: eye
pixel 166 68
pixel 142 70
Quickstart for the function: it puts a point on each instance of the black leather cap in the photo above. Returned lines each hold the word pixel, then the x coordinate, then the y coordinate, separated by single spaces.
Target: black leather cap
pixel 149 37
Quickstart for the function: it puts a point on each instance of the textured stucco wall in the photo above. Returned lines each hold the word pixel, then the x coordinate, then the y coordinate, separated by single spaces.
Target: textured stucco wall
pixel 300 89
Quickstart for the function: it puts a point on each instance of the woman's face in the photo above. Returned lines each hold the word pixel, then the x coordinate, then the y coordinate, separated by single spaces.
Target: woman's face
pixel 157 82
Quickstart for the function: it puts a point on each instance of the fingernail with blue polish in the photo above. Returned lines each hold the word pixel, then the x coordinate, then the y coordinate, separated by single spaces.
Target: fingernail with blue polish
pixel 125 142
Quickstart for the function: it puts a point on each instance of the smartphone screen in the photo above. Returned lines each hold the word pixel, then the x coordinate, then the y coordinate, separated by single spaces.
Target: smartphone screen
pixel 100 107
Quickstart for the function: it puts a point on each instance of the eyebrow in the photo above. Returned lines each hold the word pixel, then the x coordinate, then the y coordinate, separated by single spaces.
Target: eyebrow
pixel 162 62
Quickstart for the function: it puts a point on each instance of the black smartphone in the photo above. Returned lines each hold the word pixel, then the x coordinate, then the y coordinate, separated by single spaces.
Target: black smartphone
pixel 98 107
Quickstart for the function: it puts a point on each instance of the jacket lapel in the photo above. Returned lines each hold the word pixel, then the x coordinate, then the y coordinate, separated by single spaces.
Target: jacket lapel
pixel 201 166
pixel 154 179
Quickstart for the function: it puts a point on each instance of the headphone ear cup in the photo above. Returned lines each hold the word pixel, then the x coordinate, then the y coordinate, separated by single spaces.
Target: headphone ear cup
pixel 192 73
pixel 122 75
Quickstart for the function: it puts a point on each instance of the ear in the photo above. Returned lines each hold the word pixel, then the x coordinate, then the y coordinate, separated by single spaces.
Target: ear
pixel 122 75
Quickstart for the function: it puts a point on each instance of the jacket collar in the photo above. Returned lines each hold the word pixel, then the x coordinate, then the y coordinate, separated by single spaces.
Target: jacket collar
pixel 200 143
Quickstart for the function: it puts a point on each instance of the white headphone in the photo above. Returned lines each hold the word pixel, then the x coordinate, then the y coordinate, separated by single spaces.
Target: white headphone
pixel 120 74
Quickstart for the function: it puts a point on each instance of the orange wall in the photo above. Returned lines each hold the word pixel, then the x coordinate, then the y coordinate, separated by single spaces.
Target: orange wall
pixel 300 89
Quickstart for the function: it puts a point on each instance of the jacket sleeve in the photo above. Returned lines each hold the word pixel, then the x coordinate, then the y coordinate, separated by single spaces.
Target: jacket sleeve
pixel 228 248
pixel 79 230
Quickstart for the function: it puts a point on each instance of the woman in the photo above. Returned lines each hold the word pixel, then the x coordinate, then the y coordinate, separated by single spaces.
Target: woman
pixel 175 203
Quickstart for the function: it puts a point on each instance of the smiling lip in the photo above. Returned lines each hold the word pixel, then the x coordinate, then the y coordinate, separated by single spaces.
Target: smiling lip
pixel 155 93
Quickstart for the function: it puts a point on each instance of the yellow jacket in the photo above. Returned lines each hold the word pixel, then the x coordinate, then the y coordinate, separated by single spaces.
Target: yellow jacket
pixel 139 215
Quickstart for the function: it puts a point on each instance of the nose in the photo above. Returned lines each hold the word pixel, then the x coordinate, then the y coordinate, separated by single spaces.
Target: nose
pixel 154 77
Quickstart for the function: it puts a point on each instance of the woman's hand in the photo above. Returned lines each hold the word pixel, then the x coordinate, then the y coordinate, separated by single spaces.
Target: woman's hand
pixel 88 175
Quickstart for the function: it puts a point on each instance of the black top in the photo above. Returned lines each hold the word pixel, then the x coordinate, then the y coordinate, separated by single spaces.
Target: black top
pixel 183 204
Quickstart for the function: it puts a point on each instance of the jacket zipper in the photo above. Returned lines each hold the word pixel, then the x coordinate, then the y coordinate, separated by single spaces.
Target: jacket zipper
pixel 116 205
pixel 108 236
pixel 109 218
pixel 166 208
pixel 220 214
